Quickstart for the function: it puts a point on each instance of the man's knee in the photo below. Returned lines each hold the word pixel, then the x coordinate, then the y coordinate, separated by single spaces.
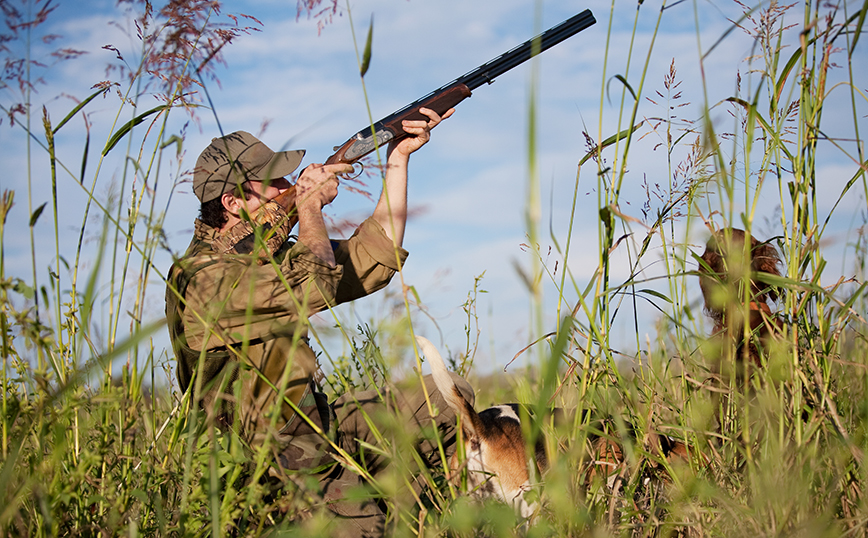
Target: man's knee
pixel 356 521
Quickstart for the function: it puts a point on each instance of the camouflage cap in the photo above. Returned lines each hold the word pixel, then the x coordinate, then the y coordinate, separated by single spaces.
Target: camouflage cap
pixel 238 157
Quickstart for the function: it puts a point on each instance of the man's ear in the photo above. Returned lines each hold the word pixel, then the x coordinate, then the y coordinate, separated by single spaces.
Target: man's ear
pixel 231 204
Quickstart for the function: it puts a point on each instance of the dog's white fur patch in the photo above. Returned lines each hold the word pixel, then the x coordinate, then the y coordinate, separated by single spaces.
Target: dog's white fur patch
pixel 508 412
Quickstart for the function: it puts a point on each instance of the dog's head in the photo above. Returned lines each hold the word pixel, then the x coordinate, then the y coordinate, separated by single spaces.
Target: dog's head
pixel 730 256
pixel 732 259
pixel 495 458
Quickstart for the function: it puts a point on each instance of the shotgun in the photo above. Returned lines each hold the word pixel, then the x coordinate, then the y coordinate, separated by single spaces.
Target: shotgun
pixel 449 95
pixel 440 100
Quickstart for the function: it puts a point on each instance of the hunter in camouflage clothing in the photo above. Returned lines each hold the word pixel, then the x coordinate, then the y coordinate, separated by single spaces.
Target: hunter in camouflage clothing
pixel 239 325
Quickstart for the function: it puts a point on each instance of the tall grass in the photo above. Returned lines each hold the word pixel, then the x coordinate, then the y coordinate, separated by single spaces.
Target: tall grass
pixel 97 441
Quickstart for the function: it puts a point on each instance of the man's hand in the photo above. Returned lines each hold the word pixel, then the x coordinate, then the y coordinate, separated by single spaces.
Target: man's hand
pixel 420 131
pixel 317 186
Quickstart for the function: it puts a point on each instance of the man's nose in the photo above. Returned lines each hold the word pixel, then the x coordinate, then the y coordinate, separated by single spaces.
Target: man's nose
pixel 281 184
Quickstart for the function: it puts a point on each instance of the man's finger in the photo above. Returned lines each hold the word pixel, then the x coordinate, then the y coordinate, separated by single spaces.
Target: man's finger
pixel 338 168
pixel 436 118
pixel 432 116
pixel 415 125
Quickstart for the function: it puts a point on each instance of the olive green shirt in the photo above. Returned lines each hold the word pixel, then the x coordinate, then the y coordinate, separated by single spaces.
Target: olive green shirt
pixel 240 320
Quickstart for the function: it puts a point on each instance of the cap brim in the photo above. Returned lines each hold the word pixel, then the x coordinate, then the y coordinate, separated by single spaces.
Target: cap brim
pixel 281 164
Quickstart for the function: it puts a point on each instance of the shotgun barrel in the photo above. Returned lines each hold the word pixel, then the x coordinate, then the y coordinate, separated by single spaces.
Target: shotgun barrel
pixel 452 93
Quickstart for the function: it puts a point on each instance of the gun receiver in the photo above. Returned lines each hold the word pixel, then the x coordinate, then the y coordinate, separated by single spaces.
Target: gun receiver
pixel 452 93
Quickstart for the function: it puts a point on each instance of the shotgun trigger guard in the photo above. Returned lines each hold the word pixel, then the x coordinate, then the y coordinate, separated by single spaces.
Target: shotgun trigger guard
pixel 356 171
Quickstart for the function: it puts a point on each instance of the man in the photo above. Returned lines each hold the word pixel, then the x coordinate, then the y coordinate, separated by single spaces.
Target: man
pixel 239 325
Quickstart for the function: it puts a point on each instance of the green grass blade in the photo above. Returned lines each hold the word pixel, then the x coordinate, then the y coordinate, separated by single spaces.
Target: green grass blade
pixel 78 107
pixel 366 55
pixel 609 141
pixel 858 31
pixel 128 126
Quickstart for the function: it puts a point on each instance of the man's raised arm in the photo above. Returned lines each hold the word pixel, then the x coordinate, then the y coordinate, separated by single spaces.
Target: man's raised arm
pixel 391 210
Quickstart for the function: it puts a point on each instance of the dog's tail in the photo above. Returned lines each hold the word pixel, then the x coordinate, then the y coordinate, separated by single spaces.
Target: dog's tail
pixel 470 420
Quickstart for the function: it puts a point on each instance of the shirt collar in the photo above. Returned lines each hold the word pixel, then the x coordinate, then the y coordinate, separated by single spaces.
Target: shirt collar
pixel 205 233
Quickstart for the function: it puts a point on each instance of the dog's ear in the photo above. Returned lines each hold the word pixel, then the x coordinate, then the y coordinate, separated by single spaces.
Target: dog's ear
pixel 765 259
pixel 713 273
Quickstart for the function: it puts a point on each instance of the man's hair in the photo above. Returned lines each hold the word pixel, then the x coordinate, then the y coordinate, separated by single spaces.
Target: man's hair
pixel 214 214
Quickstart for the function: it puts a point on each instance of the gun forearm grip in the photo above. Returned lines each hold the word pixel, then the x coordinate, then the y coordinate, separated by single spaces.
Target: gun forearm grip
pixel 389 128
pixel 440 102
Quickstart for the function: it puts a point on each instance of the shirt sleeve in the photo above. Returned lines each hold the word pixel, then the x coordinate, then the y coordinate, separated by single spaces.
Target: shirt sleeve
pixel 369 260
pixel 234 301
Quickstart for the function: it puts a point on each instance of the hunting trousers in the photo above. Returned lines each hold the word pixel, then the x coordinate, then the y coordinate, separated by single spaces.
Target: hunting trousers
pixel 400 414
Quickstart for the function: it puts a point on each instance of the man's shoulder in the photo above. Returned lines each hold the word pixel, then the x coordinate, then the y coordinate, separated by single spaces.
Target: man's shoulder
pixel 198 257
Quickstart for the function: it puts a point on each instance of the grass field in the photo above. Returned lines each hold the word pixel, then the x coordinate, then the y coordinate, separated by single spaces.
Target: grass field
pixel 782 454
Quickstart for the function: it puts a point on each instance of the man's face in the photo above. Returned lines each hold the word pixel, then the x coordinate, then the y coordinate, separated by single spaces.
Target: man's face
pixel 261 192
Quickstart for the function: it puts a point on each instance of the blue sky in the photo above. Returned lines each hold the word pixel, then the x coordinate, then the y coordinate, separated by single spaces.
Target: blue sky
pixel 469 184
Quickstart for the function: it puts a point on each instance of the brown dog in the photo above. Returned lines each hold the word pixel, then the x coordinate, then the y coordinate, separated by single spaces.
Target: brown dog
pixel 493 442
pixel 726 265
pixel 495 451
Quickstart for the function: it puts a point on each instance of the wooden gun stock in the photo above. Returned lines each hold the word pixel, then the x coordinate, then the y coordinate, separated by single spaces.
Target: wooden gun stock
pixel 286 200
pixel 276 218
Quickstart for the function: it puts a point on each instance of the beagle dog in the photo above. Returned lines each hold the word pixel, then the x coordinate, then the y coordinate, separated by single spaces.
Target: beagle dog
pixel 494 447
pixel 495 454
